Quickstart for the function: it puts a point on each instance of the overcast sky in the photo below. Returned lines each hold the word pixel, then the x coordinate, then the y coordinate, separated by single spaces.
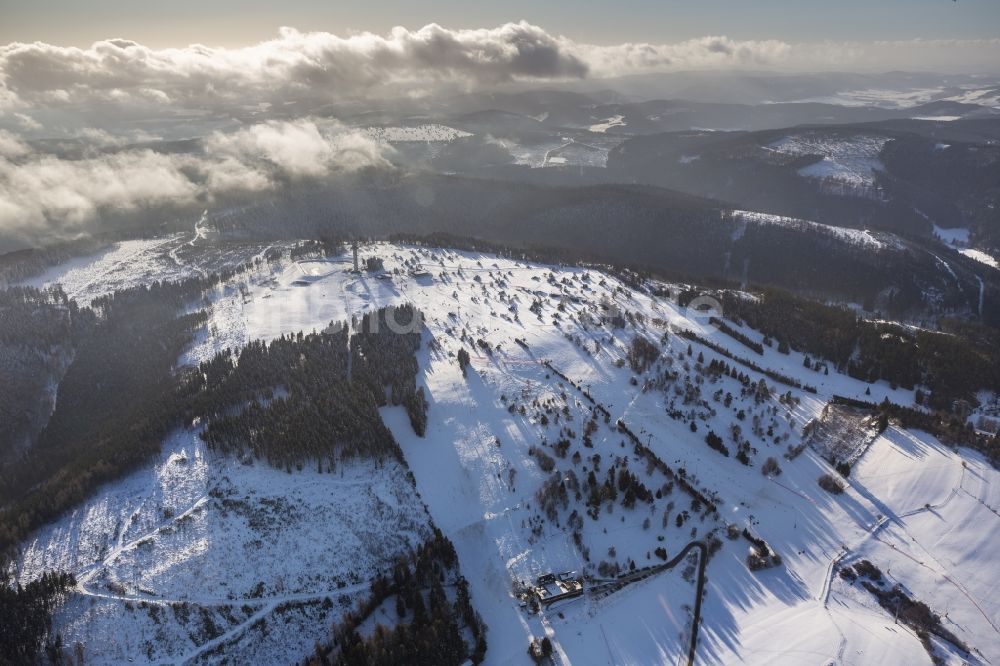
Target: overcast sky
pixel 240 22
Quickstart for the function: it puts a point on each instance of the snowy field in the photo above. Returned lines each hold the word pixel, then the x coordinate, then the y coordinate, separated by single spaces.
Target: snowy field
pixel 608 123
pixel 958 236
pixel 914 507
pixel 984 95
pixel 980 256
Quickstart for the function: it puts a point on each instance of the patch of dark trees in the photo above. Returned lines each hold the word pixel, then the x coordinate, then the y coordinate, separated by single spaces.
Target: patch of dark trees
pixel 25 615
pixel 736 335
pixel 327 406
pixel 761 556
pixel 715 442
pixel 641 354
pixel 430 629
pixel 36 335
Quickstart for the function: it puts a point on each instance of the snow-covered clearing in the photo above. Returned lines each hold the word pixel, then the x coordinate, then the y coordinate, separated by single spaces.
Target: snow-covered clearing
pixel 881 97
pixel 956 236
pixel 876 240
pixel 133 263
pixel 608 123
pixel 988 96
pixel 848 162
pixel 581 148
pixel 980 256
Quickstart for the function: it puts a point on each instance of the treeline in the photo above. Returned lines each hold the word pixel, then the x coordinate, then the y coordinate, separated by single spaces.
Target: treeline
pixel 36 318
pixel 719 349
pixel 736 335
pixel 942 424
pixel 430 627
pixel 953 363
pixel 36 339
pixel 25 615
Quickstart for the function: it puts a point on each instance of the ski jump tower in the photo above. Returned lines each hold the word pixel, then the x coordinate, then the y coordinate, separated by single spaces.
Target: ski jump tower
pixel 354 246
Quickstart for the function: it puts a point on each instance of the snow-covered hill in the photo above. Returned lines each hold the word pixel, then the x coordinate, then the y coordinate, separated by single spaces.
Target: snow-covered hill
pixel 558 399
pixel 200 552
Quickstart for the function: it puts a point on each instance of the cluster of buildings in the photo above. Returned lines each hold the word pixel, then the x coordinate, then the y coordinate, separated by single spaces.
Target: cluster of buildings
pixel 550 587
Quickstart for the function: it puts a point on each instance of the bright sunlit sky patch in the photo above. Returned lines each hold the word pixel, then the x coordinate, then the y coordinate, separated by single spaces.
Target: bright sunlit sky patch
pixel 239 22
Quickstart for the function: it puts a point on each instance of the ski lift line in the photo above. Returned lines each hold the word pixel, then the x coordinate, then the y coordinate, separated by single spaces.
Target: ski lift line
pixel 947 578
pixel 791 490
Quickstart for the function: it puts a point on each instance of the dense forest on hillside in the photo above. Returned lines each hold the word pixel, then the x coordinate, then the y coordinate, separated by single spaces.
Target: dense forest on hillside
pixel 25 615
pixel 305 401
pixel 948 181
pixel 814 259
pixel 923 177
pixel 116 402
pixel 953 363
pixel 36 335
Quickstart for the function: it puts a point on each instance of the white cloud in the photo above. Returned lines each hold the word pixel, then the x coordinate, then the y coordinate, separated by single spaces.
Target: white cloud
pixel 44 196
pixel 12 146
pixel 311 66
pixel 704 52
pixel 319 67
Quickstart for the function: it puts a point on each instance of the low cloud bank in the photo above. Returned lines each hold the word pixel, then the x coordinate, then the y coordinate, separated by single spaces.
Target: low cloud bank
pixel 319 67
pixel 45 197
